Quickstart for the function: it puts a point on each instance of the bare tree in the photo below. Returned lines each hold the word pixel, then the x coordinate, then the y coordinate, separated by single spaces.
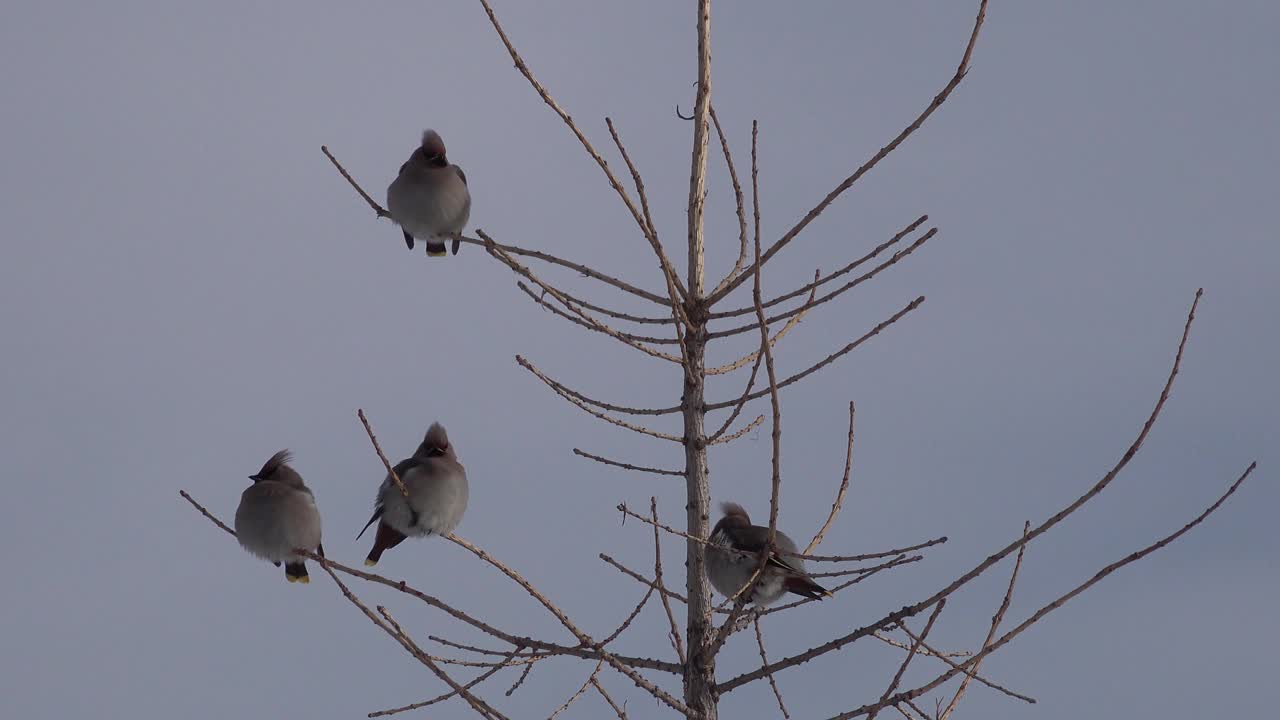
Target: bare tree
pixel 686 308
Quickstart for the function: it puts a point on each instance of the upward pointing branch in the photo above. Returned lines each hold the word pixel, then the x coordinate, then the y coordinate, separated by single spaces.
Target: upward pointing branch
pixel 866 167
pixel 698 173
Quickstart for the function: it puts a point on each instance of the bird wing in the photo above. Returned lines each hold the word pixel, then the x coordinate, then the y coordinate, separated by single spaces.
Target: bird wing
pixel 401 469
pixel 460 174
pixel 753 540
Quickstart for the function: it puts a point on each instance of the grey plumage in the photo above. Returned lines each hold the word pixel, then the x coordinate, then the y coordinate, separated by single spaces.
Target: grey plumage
pixel 438 493
pixel 429 198
pixel 278 514
pixel 734 553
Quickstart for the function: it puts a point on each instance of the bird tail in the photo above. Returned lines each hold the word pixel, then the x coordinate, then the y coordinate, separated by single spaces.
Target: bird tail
pixel 435 248
pixel 296 572
pixel 801 585
pixel 387 538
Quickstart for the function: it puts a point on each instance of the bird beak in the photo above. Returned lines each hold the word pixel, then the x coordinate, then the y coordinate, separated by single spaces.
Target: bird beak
pixel 254 478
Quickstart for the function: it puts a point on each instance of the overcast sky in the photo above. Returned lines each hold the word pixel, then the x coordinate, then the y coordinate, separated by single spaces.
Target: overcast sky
pixel 186 286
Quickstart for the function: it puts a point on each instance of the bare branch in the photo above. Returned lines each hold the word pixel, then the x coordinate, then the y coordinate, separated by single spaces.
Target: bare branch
pixel 377 209
pixel 573 398
pixel 622 507
pixel 739 433
pixel 582 637
pixel 844 486
pixel 578 694
pixel 1060 601
pixel 676 289
pixel 676 643
pixel 737 195
pixel 764 660
pixel 995 625
pixel 485 242
pixel 755 355
pixel 896 617
pixel 586 144
pixel 512 263
pixel 768 358
pixel 565 390
pixel 830 358
pixel 626 466
pixel 946 658
pixel 622 714
pixel 740 402
pixel 524 675
pixel 480 706
pixel 395 477
pixel 848 182
pixel 820 281
pixel 893 260
pixel 595 326
pixel 902 669
pixel 515 640
pixel 640 319
pixel 698 169
pixel 627 621
pixel 452 693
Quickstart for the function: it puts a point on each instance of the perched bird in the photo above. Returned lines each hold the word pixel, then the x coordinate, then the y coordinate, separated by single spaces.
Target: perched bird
pixel 437 487
pixel 734 553
pixel 278 515
pixel 429 198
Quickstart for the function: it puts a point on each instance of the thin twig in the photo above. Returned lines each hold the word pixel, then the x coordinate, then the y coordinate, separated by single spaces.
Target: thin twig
pixel 755 354
pixel 820 281
pixel 480 706
pixel 738 433
pixel 548 648
pixel 737 195
pixel 565 390
pixel 848 182
pixel 377 209
pixel 897 616
pixel 844 486
pixel 902 669
pixel 524 675
pixel 567 395
pixel 441 698
pixel 593 326
pixel 582 637
pixel 622 507
pixel 573 127
pixel 995 626
pixel 764 660
pixel 1060 601
pixel 581 690
pixel 830 358
pixel 676 643
pixel 675 289
pixel 627 466
pixel 493 249
pixel 946 658
pixel 391 472
pixel 832 295
pixel 617 710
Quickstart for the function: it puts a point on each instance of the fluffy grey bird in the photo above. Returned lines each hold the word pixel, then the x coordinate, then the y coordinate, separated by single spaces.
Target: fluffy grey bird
pixel 277 515
pixel 437 486
pixel 735 551
pixel 429 198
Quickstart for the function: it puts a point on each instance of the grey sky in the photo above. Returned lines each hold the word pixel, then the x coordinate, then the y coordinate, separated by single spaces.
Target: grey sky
pixel 186 286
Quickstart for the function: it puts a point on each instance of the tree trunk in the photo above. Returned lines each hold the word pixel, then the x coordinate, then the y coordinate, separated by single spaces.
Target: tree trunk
pixel 699 680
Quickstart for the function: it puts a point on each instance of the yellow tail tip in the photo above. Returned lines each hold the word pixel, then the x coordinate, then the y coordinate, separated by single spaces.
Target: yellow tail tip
pixel 291 578
pixel 370 563
pixel 305 580
pixel 437 253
